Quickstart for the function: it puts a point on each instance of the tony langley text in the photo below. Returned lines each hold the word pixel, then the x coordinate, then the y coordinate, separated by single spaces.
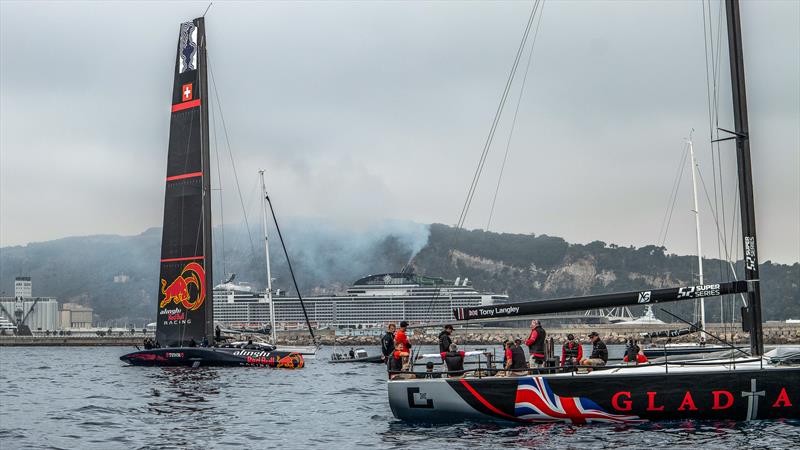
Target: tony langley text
pixel 500 311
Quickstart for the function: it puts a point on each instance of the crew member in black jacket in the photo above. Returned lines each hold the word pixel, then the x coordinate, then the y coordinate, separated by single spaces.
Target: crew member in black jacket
pixel 454 360
pixel 536 344
pixel 599 355
pixel 387 342
pixel 444 339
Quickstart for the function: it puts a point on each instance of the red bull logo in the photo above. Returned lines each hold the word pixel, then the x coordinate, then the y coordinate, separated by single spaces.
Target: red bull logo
pixel 291 361
pixel 178 291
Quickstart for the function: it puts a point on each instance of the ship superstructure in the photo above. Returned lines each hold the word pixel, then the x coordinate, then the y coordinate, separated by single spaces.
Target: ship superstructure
pixel 371 301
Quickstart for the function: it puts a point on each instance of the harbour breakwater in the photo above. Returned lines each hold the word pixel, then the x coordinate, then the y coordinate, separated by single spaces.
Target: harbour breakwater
pixel 775 333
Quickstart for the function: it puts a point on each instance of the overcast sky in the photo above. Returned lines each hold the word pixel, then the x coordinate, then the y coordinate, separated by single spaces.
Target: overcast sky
pixel 367 111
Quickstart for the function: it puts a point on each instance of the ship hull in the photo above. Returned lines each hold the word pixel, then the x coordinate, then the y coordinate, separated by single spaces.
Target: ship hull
pixel 770 393
pixel 218 357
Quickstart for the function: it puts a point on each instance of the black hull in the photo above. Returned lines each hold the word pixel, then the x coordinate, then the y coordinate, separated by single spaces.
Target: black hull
pixel 615 398
pixel 216 357
pixel 369 359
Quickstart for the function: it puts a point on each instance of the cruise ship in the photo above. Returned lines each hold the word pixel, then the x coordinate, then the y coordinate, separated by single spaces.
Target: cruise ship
pixel 372 301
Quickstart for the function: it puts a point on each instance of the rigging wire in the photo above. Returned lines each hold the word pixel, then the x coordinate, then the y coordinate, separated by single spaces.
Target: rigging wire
pixel 291 271
pixel 498 113
pixel 489 139
pixel 230 154
pixel 514 120
pixel 712 61
pixel 715 208
pixel 676 184
pixel 219 183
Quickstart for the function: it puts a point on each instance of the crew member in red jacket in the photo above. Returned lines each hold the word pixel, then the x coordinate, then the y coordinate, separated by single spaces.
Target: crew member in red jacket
pixel 634 353
pixel 400 337
pixel 535 343
pixel 571 351
pixel 397 360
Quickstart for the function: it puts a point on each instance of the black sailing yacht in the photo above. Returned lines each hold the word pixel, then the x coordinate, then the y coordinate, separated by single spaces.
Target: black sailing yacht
pixel 185 319
pixel 736 386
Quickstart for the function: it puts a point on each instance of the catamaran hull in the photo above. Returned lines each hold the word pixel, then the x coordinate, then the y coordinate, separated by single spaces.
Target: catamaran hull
pixel 204 357
pixel 614 398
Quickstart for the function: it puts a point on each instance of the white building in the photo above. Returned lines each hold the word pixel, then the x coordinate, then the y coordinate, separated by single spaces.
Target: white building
pixel 38 314
pixel 23 287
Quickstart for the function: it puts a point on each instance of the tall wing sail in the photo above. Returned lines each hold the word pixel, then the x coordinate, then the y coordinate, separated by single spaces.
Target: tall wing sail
pixel 184 292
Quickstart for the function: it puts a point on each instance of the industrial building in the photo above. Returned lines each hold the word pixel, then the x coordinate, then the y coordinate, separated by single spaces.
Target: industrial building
pixel 35 313
pixel 76 316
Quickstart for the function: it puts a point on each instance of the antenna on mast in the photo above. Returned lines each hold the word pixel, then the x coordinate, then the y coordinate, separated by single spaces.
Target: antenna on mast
pixel 207 8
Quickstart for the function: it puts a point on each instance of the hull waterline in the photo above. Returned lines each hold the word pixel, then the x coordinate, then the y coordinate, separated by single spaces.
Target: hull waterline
pixel 214 357
pixel 618 396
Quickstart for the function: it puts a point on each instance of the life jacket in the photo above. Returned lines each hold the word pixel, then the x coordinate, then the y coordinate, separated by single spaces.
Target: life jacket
pixel 518 358
pixel 395 362
pixel 631 352
pixel 454 361
pixel 570 351
pixel 537 347
pixel 640 359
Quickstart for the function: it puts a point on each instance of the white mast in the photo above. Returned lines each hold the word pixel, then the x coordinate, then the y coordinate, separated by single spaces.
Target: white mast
pixel 268 295
pixel 699 246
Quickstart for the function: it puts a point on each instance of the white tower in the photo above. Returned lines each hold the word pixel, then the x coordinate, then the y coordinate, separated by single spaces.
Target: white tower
pixel 22 287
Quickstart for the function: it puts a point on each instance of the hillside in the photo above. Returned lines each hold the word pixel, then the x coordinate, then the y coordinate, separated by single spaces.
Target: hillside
pixel 327 259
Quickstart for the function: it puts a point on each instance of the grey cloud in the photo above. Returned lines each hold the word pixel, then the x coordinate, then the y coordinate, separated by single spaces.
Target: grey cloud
pixel 368 111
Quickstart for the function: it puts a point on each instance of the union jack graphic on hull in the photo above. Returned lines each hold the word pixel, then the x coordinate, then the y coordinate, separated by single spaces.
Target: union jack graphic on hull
pixel 536 402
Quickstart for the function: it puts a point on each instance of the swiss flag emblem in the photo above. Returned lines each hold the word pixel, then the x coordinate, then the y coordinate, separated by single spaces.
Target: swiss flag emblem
pixel 186 92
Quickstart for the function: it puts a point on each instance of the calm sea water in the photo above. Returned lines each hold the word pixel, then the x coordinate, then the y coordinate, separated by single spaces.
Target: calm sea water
pixel 85 398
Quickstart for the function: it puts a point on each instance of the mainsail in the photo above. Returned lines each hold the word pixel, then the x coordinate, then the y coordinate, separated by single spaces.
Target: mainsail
pixel 185 309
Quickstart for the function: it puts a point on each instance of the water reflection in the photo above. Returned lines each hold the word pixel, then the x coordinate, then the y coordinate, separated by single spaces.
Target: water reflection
pixel 182 390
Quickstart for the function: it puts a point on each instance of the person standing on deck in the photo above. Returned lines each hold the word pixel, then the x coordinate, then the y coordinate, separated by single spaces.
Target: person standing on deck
pixel 387 342
pixel 400 337
pixel 517 362
pixel 444 339
pixel 536 344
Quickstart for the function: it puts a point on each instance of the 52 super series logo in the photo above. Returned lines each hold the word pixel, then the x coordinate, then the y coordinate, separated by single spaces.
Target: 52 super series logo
pixel 178 291
pixel 706 290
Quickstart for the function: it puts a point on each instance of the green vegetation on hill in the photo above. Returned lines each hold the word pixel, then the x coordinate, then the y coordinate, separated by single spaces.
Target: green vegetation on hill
pixel 529 267
pixel 526 267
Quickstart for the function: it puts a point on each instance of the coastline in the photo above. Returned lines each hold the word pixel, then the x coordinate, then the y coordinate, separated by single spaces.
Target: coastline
pixel 775 333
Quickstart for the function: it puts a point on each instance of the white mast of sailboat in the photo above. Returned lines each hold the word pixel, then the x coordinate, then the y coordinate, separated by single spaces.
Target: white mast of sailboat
pixel 699 245
pixel 268 294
